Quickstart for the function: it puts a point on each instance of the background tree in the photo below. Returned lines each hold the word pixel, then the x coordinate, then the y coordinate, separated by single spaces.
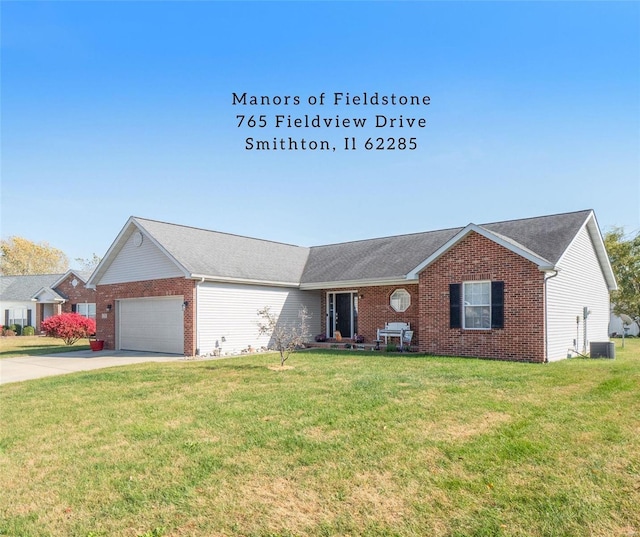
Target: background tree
pixel 285 337
pixel 19 256
pixel 624 254
pixel 89 263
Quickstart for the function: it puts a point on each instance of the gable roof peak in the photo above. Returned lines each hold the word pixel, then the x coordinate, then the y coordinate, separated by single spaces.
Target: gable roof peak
pixel 141 220
pixel 212 255
pixel 502 240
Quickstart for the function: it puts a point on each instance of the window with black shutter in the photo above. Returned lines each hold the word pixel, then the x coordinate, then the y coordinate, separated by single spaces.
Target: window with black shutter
pixel 476 305
pixel 497 304
pixel 455 305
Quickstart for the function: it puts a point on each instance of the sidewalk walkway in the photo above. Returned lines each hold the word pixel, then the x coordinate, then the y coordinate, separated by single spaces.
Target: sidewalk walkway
pixel 34 367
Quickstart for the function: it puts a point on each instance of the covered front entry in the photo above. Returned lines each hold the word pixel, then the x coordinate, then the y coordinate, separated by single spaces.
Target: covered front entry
pixel 342 314
pixel 151 324
pixel 46 310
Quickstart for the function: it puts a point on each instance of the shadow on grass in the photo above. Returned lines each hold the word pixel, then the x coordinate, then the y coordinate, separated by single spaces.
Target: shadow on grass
pixel 232 367
pixel 35 349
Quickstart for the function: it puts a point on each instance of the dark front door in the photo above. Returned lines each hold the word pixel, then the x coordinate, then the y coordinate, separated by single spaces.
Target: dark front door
pixel 343 314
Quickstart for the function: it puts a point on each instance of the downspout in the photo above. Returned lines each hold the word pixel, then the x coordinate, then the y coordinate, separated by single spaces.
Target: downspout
pixel 197 318
pixel 546 316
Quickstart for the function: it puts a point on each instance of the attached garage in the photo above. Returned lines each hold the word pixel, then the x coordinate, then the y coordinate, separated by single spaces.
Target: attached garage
pixel 151 324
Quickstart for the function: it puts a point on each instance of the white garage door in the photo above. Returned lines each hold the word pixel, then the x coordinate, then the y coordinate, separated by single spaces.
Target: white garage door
pixel 151 324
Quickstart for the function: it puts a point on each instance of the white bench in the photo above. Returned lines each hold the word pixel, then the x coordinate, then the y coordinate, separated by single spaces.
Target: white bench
pixel 398 330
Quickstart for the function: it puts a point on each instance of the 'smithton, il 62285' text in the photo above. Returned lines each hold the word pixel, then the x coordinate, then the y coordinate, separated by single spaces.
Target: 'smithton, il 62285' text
pixel 388 122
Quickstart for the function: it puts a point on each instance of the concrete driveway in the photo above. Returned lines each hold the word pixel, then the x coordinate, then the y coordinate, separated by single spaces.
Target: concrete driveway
pixel 34 367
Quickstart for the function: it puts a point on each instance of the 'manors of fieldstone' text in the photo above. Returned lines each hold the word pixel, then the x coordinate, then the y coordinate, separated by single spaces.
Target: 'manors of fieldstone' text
pixel 366 121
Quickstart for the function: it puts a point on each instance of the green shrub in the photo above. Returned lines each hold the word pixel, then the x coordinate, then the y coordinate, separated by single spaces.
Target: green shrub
pixel 17 328
pixel 28 331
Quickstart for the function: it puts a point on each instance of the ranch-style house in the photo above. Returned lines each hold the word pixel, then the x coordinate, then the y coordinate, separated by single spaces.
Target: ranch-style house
pixel 533 289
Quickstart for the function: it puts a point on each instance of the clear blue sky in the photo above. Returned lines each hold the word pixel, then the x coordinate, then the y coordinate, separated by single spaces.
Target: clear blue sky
pixel 113 109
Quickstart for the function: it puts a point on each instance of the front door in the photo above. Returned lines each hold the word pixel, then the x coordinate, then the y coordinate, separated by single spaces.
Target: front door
pixel 342 314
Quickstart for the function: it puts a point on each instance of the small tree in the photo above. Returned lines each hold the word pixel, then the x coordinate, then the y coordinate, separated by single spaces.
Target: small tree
pixel 285 336
pixel 89 263
pixel 69 327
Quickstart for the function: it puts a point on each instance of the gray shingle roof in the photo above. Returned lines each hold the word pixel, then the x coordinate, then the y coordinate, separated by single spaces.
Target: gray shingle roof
pixel 217 255
pixel 211 253
pixel 22 288
pixel 393 257
pixel 383 258
pixel 546 236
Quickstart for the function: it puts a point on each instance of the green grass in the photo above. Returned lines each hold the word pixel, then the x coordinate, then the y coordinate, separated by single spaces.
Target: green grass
pixel 35 345
pixel 345 443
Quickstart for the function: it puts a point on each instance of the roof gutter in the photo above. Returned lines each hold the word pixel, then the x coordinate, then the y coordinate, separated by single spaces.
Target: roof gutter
pixel 248 281
pixel 356 283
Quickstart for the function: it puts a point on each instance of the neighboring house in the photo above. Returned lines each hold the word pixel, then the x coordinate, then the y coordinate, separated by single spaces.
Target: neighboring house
pixel 28 300
pixel 514 290
pixel 619 326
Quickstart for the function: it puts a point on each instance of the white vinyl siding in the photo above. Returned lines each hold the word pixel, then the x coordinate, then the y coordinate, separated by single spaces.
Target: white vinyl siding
pixel 151 324
pixel 138 263
pixel 579 283
pixel 14 308
pixel 228 320
pixel 617 326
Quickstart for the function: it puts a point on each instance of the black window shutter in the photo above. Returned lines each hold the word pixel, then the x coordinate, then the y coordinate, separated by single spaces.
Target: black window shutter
pixel 455 305
pixel 497 304
pixel 6 317
pixel 74 308
pixel 28 317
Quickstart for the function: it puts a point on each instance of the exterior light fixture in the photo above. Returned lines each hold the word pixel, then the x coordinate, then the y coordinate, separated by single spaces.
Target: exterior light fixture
pixel 109 306
pixel 185 305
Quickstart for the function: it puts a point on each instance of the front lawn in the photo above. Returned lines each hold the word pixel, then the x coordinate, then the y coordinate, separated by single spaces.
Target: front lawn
pixel 345 443
pixel 35 345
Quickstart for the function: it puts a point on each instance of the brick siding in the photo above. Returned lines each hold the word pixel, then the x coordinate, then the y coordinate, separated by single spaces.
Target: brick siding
pixel 374 310
pixel 478 258
pixel 108 294
pixel 74 295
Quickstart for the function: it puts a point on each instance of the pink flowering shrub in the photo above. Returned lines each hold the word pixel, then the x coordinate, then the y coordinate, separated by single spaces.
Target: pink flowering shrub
pixel 69 327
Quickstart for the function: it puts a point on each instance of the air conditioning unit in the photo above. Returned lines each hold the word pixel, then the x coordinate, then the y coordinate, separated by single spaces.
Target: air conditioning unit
pixel 604 349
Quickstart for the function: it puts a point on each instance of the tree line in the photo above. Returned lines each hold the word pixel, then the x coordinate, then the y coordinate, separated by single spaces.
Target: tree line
pixel 20 257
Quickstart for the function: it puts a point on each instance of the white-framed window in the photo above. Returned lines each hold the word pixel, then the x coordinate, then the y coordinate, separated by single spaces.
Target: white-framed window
pixel 86 309
pixel 400 300
pixel 18 316
pixel 477 305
